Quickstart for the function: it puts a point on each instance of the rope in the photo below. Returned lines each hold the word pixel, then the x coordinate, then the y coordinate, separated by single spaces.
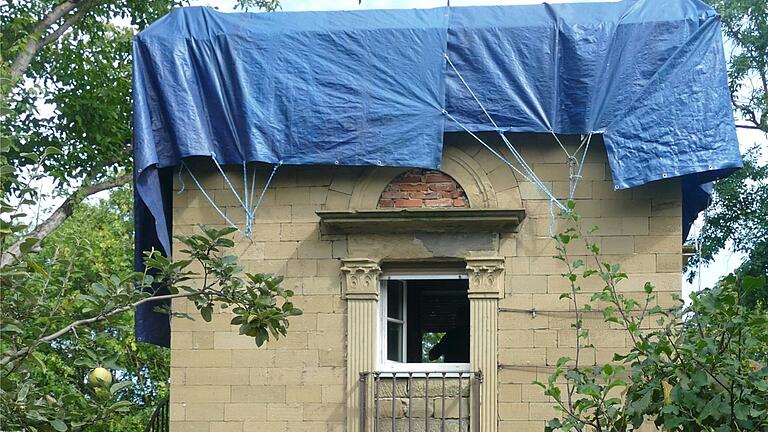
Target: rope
pixel 226 179
pixel 529 174
pixel 248 194
pixel 245 185
pixel 536 180
pixel 205 194
pixel 264 191
pixel 253 184
pixel 560 143
pixel 503 159
pixel 581 163
pixel 181 180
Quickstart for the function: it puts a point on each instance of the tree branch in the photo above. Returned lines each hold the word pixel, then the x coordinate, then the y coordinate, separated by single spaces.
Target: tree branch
pixel 738 126
pixel 38 39
pixel 72 20
pixel 61 214
pixel 9 357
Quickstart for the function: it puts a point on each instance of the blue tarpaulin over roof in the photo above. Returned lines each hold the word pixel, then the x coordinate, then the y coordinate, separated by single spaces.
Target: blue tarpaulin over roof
pixel 373 87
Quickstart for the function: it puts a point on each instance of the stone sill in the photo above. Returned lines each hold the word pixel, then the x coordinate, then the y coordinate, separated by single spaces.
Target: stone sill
pixel 420 220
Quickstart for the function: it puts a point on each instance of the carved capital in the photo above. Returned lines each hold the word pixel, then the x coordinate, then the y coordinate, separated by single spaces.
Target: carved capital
pixel 486 277
pixel 361 281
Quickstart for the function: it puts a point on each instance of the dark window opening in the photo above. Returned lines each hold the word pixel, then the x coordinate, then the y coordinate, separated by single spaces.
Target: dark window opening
pixel 427 320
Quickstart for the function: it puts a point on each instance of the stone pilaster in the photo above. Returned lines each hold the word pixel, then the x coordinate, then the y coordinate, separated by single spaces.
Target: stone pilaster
pixel 361 291
pixel 486 287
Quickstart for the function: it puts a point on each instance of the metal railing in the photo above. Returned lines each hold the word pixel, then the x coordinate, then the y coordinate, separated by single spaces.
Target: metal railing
pixel 420 401
pixel 159 421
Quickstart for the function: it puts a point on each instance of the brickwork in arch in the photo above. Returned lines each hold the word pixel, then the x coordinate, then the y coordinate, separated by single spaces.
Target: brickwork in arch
pixel 423 188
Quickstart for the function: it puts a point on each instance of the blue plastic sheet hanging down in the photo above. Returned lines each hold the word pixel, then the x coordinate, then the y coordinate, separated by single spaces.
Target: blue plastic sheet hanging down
pixel 372 87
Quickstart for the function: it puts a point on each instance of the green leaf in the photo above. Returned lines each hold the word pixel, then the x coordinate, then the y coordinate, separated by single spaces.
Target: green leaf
pixel 37 268
pixel 50 151
pixel 207 312
pixel 119 386
pixel 648 288
pixel 11 328
pixel 58 425
pixel 23 391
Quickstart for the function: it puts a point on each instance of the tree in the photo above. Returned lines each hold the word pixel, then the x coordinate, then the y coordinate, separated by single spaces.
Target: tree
pixel 699 368
pixel 70 58
pixel 738 216
pixel 106 228
pixel 67 298
pixel 745 24
pixel 57 324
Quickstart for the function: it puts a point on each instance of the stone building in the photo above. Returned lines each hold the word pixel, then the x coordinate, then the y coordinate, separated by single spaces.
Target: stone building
pixel 431 297
pixel 350 240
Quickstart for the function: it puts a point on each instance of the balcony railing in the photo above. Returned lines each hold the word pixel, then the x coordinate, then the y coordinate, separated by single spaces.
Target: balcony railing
pixel 420 401
pixel 159 420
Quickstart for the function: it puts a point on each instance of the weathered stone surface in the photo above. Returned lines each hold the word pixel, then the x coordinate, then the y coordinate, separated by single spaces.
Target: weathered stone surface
pixel 451 408
pixel 419 387
pixel 302 379
pixel 421 425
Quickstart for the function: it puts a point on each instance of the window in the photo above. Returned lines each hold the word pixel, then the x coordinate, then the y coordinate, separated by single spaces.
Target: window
pixel 424 322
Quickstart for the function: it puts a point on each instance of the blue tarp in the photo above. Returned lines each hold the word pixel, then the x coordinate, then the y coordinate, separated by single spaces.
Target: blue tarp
pixel 372 88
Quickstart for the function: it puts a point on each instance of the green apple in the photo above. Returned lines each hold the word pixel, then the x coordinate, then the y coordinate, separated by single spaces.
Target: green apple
pixel 100 378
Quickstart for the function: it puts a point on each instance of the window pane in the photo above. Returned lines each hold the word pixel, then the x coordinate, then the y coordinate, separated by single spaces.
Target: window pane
pixel 395 342
pixel 395 300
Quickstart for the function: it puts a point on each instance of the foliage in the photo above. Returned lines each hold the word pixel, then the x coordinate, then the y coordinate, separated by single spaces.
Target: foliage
pixel 86 67
pixel 698 368
pixel 81 80
pixel 65 109
pixel 63 316
pixel 738 218
pixel 107 229
pixel 745 24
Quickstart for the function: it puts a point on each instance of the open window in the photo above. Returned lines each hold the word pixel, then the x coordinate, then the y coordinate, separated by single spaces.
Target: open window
pixel 424 322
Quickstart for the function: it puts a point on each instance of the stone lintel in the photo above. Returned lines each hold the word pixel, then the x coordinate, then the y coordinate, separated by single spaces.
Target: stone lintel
pixel 405 220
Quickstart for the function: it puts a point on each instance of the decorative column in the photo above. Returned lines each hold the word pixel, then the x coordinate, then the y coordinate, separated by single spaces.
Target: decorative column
pixel 361 291
pixel 486 287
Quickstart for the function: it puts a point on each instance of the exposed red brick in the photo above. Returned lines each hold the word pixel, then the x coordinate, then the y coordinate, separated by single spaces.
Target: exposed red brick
pixel 411 179
pixel 440 202
pixel 413 187
pixel 394 194
pixel 423 195
pixel 438 177
pixel 443 186
pixel 423 188
pixel 403 203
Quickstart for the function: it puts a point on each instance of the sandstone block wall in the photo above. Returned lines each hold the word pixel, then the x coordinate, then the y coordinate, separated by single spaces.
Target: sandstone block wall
pixel 222 382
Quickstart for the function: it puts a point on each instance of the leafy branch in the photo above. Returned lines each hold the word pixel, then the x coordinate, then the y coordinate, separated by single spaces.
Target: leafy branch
pixel 697 368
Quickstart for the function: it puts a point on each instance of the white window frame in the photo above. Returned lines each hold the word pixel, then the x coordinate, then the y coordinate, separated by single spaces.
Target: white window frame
pixel 385 365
